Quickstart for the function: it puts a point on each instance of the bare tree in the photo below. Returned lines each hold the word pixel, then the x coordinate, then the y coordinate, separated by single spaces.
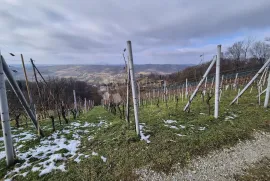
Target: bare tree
pixel 267 39
pixel 246 45
pixel 235 52
pixel 261 51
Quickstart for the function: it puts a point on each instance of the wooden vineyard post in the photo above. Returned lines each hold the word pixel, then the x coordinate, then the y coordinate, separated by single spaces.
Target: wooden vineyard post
pixel 27 85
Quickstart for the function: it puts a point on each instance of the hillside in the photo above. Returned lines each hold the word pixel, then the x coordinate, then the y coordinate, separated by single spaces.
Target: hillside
pixel 97 73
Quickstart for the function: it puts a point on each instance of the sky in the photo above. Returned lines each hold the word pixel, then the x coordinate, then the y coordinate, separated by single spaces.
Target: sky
pixel 96 31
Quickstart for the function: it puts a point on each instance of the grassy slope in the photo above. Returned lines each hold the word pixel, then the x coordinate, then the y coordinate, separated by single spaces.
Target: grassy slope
pixel 125 153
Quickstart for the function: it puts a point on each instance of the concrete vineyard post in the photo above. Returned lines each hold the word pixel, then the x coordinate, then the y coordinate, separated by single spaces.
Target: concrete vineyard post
pixel 235 81
pixel 19 94
pixel 128 84
pixel 10 155
pixel 251 81
pixel 85 109
pixel 75 102
pixel 267 92
pixel 186 88
pixel 134 88
pixel 259 92
pixel 217 81
pixel 200 83
pixel 237 102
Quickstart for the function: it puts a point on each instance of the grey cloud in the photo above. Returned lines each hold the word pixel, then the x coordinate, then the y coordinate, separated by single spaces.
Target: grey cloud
pixel 93 31
pixel 76 42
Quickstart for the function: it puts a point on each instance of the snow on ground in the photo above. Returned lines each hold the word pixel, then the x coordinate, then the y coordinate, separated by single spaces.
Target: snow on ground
pixel 170 121
pixel 45 157
pixel 180 135
pixel 170 126
pixel 2 154
pixel 47 153
pixel 104 158
pixel 94 153
pixel 181 126
pixel 201 128
pixel 143 136
pixel 231 117
pixel 75 124
pixel 25 136
pixel 90 138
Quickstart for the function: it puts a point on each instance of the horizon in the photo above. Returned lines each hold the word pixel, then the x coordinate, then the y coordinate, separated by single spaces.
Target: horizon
pixel 29 64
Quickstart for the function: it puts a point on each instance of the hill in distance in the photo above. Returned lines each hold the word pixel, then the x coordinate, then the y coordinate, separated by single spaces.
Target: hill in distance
pixel 97 74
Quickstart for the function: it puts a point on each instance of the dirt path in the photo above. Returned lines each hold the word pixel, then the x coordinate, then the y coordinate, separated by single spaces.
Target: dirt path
pixel 219 165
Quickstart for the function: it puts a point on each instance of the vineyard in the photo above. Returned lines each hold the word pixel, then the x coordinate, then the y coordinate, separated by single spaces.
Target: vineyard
pixel 135 130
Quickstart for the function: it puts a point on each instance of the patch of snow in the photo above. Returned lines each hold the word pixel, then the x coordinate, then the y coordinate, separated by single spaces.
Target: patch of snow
pixel 201 128
pixel 78 160
pixel 66 131
pixel 34 169
pixel 144 137
pixel 94 153
pixel 48 146
pixel 101 123
pixel 24 174
pixel 20 146
pixel 90 138
pixel 2 154
pixel 169 121
pixel 44 153
pixel 183 127
pixel 173 127
pixel 49 165
pixel 180 135
pixel 75 124
pixel 86 124
pixel 104 158
pixel 25 136
pixel 234 115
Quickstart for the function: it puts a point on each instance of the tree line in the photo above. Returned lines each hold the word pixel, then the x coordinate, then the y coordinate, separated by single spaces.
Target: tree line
pixel 53 98
pixel 244 55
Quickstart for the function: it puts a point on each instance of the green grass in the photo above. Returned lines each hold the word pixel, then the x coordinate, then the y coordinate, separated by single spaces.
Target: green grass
pixel 125 153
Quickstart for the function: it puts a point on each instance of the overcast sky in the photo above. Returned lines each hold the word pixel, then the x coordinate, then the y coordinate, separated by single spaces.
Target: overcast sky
pixel 96 31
